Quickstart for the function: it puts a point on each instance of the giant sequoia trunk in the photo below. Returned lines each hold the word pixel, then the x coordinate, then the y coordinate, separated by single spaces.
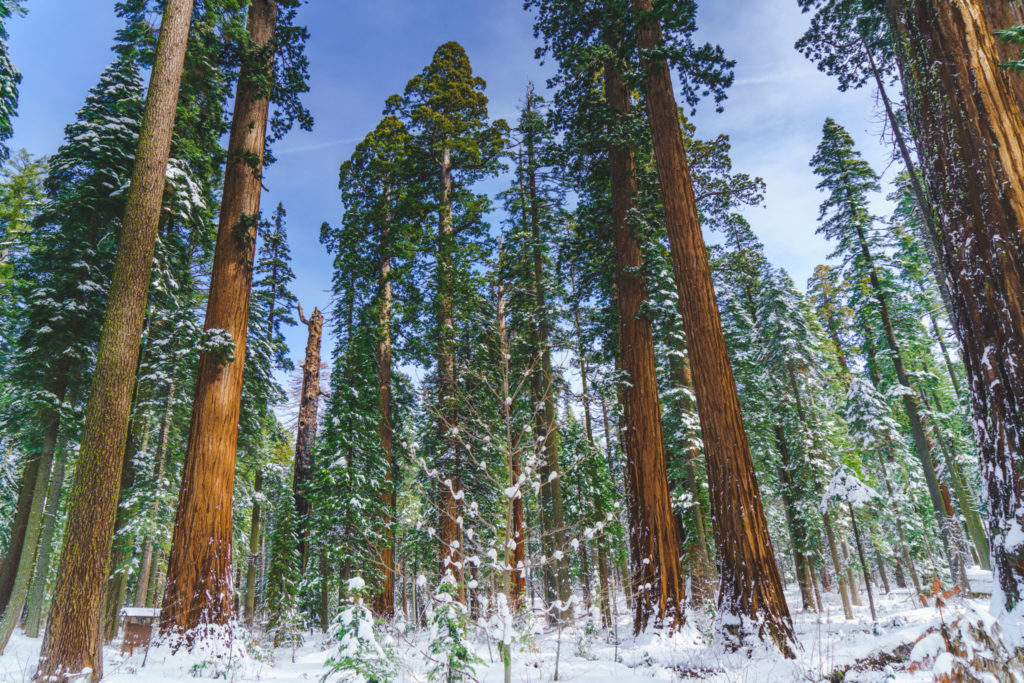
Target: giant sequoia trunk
pixel 970 134
pixel 659 588
pixel 751 588
pixel 72 634
pixel 305 438
pixel 199 587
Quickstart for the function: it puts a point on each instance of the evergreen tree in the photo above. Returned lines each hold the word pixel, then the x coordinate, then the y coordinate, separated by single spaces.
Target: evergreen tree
pixel 845 218
pixel 453 144
pixel 10 78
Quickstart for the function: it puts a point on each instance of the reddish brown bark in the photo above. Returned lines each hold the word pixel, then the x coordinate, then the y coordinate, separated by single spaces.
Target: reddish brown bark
pixel 659 587
pixel 305 438
pixel 751 587
pixel 199 589
pixel 969 131
pixel 72 639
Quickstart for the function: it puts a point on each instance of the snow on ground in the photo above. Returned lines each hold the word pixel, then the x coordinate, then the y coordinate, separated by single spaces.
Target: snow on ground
pixel 829 643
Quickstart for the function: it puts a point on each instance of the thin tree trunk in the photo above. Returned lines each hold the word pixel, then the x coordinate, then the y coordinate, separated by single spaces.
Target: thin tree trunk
pixel 969 129
pixel 160 458
pixel 384 603
pixel 659 588
pixel 450 483
pixel 19 526
pixel 553 538
pixel 922 445
pixel 255 529
pixel 26 565
pixel 797 527
pixel 863 564
pixel 851 579
pixel 931 235
pixel 42 572
pixel 199 587
pixel 904 546
pixel 751 587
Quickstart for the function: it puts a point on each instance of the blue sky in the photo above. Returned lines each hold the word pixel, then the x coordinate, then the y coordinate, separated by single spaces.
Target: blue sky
pixel 362 52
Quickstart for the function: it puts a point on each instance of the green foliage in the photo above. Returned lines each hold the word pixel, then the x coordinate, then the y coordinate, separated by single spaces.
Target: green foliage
pixel 361 657
pixel 453 658
pixel 10 77
pixel 283 619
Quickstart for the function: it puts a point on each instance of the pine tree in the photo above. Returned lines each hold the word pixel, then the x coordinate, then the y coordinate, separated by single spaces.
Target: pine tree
pixel 69 643
pixel 846 219
pixel 10 78
pixel 533 204
pixel 266 351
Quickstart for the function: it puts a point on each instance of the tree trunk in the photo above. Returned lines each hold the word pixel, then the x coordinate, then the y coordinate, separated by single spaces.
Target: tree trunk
pixel 969 131
pixel 199 568
pixel 922 444
pixel 515 534
pixel 751 587
pixel 863 564
pixel 837 565
pixel 384 603
pixel 556 570
pixel 255 529
pixel 305 438
pixel 146 566
pixel 659 588
pixel 42 572
pixel 19 526
pixel 72 641
pixel 450 484
pixel 797 527
pixel 26 564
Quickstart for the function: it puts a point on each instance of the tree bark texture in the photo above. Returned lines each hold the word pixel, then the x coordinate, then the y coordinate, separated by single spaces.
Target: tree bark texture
pixel 71 642
pixel 751 587
pixel 199 586
pixel 305 438
pixel 659 587
pixel 968 126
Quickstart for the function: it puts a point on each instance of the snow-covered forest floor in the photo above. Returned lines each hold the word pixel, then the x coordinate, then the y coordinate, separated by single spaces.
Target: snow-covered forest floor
pixel 830 644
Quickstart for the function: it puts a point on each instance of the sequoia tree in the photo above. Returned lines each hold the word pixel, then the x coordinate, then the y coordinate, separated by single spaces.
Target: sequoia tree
pixel 199 567
pixel 969 131
pixel 453 144
pixel 751 588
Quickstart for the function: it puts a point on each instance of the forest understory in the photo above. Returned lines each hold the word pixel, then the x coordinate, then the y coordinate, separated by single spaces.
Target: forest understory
pixel 832 649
